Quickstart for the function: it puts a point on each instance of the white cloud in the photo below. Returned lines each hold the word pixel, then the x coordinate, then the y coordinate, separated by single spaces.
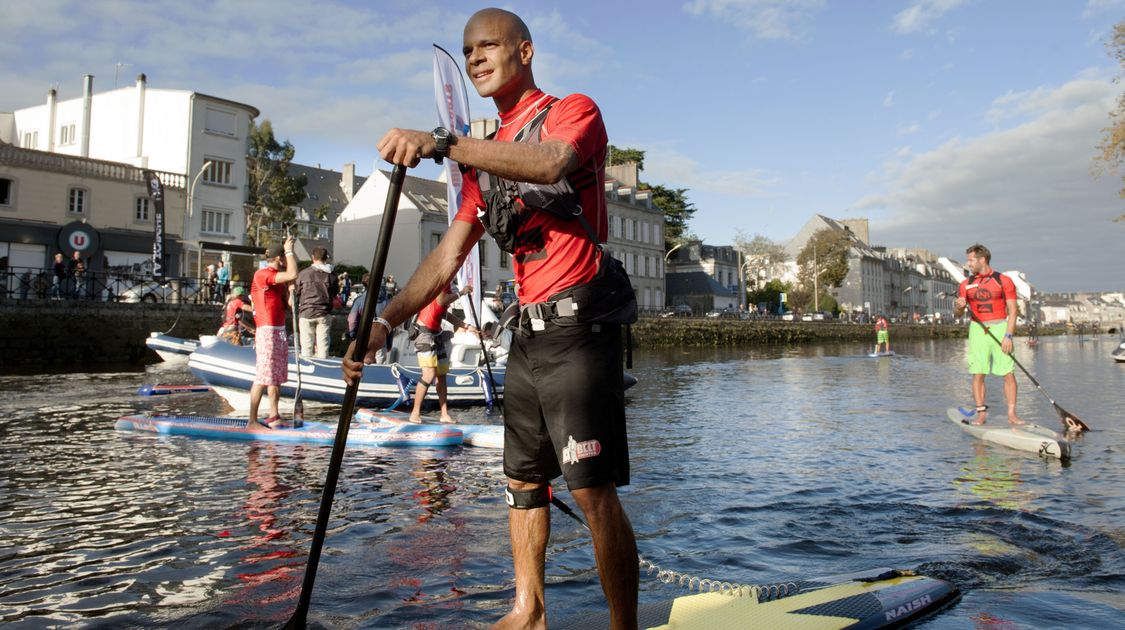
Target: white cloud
pixel 907 54
pixel 921 14
pixel 761 19
pixel 908 129
pixel 676 170
pixel 1025 191
pixel 889 99
pixel 1096 8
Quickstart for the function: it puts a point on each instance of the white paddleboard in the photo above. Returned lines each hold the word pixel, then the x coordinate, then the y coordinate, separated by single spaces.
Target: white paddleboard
pixel 1029 437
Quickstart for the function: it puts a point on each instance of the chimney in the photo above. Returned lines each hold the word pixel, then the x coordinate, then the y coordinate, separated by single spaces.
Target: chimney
pixel 52 114
pixel 87 106
pixel 141 78
pixel 347 182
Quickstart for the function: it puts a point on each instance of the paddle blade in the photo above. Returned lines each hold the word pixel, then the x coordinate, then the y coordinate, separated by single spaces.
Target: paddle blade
pixel 298 408
pixel 1071 421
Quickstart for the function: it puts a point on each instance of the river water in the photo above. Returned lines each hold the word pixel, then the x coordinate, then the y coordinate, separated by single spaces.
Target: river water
pixel 754 466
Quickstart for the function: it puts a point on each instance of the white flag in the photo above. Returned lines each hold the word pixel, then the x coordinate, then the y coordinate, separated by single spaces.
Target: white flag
pixel 453 114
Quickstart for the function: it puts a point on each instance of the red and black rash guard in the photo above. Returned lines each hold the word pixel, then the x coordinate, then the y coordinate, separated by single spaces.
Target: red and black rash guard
pixel 988 294
pixel 563 254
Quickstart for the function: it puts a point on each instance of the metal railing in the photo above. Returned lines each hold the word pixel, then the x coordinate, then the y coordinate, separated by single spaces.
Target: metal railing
pixel 35 283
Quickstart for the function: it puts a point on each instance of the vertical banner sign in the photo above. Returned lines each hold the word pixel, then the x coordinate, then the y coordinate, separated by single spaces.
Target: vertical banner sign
pixel 156 196
pixel 453 114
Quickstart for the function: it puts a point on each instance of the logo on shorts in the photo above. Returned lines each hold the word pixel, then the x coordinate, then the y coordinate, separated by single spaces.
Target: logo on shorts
pixel 576 451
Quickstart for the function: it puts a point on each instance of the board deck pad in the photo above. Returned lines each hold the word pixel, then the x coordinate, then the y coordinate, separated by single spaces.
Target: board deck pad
pixel 886 601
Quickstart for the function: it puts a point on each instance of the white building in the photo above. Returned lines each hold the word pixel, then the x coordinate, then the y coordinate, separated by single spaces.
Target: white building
pixel 421 222
pixel 203 137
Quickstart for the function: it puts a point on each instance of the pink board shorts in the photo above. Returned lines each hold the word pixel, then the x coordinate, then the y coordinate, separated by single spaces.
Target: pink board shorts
pixel 271 347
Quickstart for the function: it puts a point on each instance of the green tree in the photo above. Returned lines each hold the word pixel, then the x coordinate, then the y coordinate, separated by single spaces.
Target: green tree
pixel 677 212
pixel 823 263
pixel 769 295
pixel 272 191
pixel 621 156
pixel 1112 148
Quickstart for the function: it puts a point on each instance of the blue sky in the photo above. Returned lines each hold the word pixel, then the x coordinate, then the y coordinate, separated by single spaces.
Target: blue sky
pixel 944 122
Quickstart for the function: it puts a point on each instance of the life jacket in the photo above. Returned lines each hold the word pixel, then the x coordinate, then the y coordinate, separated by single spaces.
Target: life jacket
pixel 506 201
pixel 985 295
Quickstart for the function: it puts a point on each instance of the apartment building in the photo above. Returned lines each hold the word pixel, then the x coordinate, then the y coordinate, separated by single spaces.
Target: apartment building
pixel 199 137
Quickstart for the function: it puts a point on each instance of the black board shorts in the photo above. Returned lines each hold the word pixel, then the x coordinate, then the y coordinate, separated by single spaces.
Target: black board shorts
pixel 564 407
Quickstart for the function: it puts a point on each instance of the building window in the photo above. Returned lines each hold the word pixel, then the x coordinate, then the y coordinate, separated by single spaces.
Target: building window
pixel 67 135
pixel 30 139
pixel 215 222
pixel 140 212
pixel 612 226
pixel 435 238
pixel 6 188
pixel 504 259
pixel 218 172
pixel 621 227
pixel 220 122
pixel 483 254
pixel 76 201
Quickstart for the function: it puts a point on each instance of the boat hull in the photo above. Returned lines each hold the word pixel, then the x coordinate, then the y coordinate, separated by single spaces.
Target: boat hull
pixel 230 370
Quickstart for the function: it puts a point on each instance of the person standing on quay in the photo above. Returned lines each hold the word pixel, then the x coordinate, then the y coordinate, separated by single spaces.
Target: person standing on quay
pixel 316 288
pixel 223 275
pixel 565 415
pixel 271 340
pixel 991 296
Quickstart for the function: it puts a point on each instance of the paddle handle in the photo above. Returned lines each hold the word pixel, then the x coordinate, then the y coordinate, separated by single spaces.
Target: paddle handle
pixel 378 265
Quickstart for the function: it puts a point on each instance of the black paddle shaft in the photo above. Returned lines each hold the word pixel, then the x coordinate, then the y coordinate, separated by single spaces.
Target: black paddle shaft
pixel 1069 420
pixel 378 264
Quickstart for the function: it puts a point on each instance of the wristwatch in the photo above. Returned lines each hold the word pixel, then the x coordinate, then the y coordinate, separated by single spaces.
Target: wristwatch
pixel 443 139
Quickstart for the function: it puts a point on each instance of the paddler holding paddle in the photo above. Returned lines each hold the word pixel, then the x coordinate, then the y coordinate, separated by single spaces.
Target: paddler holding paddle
pixel 564 398
pixel 990 297
pixel 271 340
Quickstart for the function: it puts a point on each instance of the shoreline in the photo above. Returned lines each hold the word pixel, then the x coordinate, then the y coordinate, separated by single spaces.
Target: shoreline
pixel 56 335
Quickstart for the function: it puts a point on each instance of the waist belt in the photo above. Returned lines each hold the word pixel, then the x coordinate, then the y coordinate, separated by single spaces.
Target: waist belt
pixel 537 313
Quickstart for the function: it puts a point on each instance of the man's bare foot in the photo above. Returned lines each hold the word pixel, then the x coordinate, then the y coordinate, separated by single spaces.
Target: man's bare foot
pixel 415 419
pixel 981 417
pixel 447 419
pixel 1015 420
pixel 517 620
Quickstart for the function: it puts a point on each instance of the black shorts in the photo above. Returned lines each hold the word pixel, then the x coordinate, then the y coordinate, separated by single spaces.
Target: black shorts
pixel 564 407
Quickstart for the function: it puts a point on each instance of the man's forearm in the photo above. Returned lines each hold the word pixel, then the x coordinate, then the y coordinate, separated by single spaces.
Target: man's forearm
pixel 544 163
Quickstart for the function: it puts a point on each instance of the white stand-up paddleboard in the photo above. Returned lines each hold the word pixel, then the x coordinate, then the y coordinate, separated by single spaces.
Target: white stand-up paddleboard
pixel 1028 437
pixel 888 353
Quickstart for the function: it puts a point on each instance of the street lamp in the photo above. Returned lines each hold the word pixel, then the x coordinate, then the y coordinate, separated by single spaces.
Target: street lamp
pixel 190 205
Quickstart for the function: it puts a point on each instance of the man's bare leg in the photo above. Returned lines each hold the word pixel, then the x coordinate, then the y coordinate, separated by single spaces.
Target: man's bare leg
pixel 529 531
pixel 1011 390
pixel 615 549
pixel 443 399
pixel 275 400
pixel 255 401
pixel 978 396
pixel 420 393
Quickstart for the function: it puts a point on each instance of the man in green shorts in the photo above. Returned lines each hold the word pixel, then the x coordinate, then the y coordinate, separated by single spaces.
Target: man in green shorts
pixel 990 297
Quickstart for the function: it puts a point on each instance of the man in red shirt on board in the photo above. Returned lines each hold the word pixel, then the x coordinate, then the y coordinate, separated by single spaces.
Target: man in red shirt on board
pixel 991 296
pixel 563 393
pixel 271 340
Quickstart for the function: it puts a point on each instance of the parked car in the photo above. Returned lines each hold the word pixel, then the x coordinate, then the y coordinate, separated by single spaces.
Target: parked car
pixel 788 317
pixel 679 310
pixel 152 291
pixel 726 313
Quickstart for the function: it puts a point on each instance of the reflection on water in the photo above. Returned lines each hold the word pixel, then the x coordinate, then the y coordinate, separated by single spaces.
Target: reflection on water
pixel 750 465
